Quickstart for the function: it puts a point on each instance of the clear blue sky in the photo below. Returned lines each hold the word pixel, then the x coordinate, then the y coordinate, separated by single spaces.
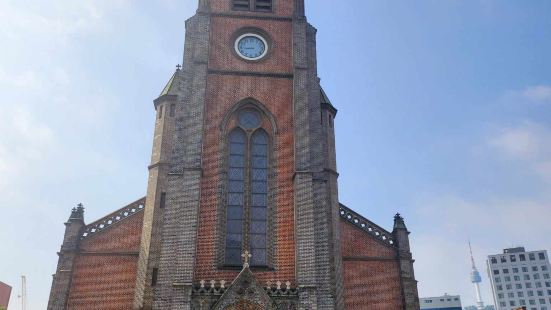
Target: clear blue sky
pixel 444 115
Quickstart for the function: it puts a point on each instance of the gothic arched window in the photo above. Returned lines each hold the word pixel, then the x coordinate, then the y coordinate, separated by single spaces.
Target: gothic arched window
pixel 236 193
pixel 247 190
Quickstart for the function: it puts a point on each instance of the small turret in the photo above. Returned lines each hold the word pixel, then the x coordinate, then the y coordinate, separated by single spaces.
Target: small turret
pixel 73 228
pixel 399 222
pixel 62 279
pixel 407 276
pixel 168 109
pixel 401 235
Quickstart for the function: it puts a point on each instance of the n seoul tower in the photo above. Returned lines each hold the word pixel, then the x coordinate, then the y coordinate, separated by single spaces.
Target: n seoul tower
pixel 476 279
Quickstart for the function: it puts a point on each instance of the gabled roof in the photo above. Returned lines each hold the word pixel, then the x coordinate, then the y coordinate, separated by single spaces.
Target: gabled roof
pixel 370 228
pixel 116 217
pixel 245 292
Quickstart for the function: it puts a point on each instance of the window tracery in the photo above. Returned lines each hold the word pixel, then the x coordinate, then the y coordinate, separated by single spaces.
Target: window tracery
pixel 246 206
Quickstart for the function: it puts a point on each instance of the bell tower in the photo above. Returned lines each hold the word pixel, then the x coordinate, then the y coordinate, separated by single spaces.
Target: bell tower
pixel 243 162
pixel 242 208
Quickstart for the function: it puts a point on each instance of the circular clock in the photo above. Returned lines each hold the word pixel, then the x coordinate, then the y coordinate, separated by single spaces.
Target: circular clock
pixel 251 46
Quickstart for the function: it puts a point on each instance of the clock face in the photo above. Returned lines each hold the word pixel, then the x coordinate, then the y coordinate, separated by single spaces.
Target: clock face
pixel 251 46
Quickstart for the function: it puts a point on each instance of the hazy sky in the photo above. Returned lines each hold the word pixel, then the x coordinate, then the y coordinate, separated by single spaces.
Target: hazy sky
pixel 444 115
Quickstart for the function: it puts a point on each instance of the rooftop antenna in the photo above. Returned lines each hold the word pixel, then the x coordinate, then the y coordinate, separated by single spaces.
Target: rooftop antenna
pixel 476 279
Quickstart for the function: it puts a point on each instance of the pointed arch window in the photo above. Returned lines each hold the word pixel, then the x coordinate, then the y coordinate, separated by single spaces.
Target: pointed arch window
pixel 259 197
pixel 236 191
pixel 247 191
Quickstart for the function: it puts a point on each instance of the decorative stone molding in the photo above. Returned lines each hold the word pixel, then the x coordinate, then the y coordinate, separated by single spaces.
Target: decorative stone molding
pixel 218 288
pixel 366 225
pixel 113 218
pixel 245 290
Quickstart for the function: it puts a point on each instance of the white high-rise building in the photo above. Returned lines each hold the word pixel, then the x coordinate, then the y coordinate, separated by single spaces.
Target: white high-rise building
pixel 520 278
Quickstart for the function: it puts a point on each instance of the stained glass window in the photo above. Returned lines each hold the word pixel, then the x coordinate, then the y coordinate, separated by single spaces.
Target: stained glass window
pixel 247 196
pixel 235 203
pixel 249 119
pixel 259 197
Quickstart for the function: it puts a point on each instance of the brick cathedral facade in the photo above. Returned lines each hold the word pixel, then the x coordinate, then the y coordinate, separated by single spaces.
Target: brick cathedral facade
pixel 241 209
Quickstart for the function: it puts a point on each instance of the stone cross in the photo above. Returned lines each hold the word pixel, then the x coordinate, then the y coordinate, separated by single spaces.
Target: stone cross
pixel 246 258
pixel 178 67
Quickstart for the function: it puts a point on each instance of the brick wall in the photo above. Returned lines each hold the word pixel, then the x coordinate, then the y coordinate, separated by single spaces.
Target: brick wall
pixel 222 94
pixel 222 51
pixel 371 272
pixel 104 272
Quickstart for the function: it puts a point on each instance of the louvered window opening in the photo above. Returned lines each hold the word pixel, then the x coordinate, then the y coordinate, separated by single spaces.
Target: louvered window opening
pixel 247 195
pixel 252 5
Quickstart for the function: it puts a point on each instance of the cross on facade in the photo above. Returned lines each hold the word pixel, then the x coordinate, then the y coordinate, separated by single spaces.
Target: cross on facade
pixel 178 67
pixel 246 258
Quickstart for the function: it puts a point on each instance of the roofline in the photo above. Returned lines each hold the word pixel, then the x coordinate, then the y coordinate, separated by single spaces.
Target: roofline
pixel 371 229
pixel 112 219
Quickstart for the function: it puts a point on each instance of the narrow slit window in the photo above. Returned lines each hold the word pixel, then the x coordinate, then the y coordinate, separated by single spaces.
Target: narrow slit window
pixel 163 200
pixel 154 276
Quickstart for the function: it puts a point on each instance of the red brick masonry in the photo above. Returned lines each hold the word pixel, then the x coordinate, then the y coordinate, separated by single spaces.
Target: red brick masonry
pixel 104 274
pixel 371 271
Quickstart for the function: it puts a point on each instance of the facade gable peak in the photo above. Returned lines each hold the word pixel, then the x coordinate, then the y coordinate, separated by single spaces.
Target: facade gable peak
pixel 245 293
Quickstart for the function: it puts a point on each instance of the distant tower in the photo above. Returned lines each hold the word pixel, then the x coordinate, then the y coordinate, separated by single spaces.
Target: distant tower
pixel 476 279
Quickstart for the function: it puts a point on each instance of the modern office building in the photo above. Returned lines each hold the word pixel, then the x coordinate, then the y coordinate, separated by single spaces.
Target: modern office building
pixel 520 278
pixel 5 292
pixel 446 302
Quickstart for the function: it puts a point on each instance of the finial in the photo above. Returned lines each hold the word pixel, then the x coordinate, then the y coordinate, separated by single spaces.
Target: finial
pixel 399 221
pixel 178 67
pixel 246 258
pixel 78 212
